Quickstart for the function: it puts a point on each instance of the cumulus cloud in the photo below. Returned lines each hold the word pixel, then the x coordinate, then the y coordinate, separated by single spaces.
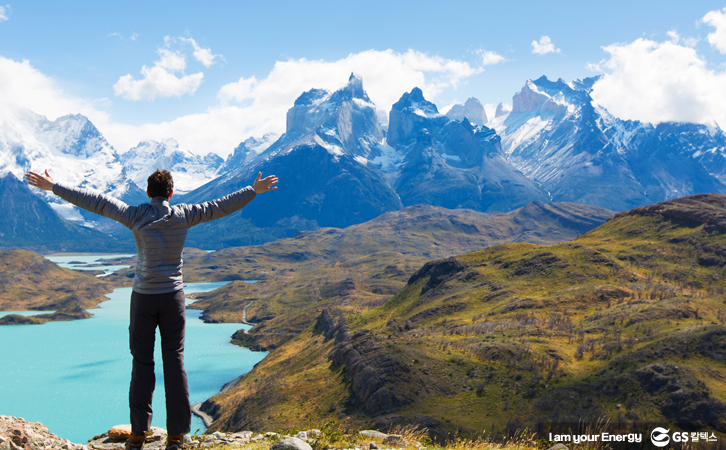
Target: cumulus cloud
pixel 544 46
pixel 203 55
pixel 3 14
pixel 661 81
pixel 386 75
pixel 166 78
pixel 717 38
pixel 489 58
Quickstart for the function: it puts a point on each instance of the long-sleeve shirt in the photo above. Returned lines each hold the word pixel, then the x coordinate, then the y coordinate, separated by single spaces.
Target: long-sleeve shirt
pixel 159 230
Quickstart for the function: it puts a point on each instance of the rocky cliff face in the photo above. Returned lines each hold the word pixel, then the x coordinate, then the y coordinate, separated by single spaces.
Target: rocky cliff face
pixel 453 164
pixel 472 110
pixel 367 365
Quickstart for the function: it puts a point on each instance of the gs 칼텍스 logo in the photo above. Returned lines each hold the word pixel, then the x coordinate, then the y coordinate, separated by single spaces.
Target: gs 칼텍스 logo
pixel 659 437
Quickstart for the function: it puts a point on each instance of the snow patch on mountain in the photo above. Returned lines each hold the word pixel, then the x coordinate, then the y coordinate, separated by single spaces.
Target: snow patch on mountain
pixel 389 159
pixel 333 149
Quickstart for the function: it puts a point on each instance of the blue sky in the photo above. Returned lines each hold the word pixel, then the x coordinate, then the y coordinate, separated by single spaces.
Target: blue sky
pixel 256 57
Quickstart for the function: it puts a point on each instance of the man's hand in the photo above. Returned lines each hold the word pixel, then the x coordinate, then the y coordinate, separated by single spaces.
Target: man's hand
pixel 44 182
pixel 265 184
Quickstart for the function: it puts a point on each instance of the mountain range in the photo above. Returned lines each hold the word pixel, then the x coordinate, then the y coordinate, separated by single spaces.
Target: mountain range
pixel 338 166
pixel 579 152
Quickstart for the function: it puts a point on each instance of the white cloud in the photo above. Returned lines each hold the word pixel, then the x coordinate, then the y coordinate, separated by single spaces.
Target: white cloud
pixel 676 39
pixel 661 81
pixel 489 58
pixel 170 60
pixel 3 14
pixel 133 37
pixel 203 55
pixel 544 46
pixel 161 80
pixel 717 38
pixel 592 67
pixel 23 85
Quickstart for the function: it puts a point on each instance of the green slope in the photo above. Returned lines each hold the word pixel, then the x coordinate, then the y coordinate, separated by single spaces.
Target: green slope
pixel 625 322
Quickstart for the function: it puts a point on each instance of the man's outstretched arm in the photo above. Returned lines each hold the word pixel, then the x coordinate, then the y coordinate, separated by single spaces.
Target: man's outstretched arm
pixel 90 201
pixel 216 209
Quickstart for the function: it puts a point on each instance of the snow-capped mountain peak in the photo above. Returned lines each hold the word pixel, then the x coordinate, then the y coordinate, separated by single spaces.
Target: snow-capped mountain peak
pixel 71 148
pixel 415 102
pixel 342 122
pixel 188 169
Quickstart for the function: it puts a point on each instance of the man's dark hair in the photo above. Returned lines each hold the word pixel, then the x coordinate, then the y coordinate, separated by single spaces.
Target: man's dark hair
pixel 160 184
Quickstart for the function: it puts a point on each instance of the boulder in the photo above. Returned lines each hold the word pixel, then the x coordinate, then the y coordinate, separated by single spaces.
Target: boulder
pixel 120 432
pixel 558 447
pixel 373 434
pixel 292 443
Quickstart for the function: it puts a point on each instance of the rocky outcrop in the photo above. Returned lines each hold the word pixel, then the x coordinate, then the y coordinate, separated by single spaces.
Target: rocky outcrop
pixel 472 110
pixel 687 401
pixel 367 365
pixel 709 209
pixel 438 272
pixel 16 433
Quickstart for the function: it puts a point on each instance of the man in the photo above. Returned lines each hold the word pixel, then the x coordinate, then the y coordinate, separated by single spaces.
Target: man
pixel 157 298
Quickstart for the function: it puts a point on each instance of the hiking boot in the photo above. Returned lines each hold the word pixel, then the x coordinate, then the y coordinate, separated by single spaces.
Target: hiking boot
pixel 175 442
pixel 135 442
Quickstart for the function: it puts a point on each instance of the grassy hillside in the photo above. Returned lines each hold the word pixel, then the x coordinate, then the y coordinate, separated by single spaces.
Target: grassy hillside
pixel 625 322
pixel 361 266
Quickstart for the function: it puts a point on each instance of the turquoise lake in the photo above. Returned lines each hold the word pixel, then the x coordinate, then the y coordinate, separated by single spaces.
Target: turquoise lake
pixel 74 376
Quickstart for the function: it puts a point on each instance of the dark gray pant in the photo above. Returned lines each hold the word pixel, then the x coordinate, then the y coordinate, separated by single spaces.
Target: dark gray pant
pixel 167 311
